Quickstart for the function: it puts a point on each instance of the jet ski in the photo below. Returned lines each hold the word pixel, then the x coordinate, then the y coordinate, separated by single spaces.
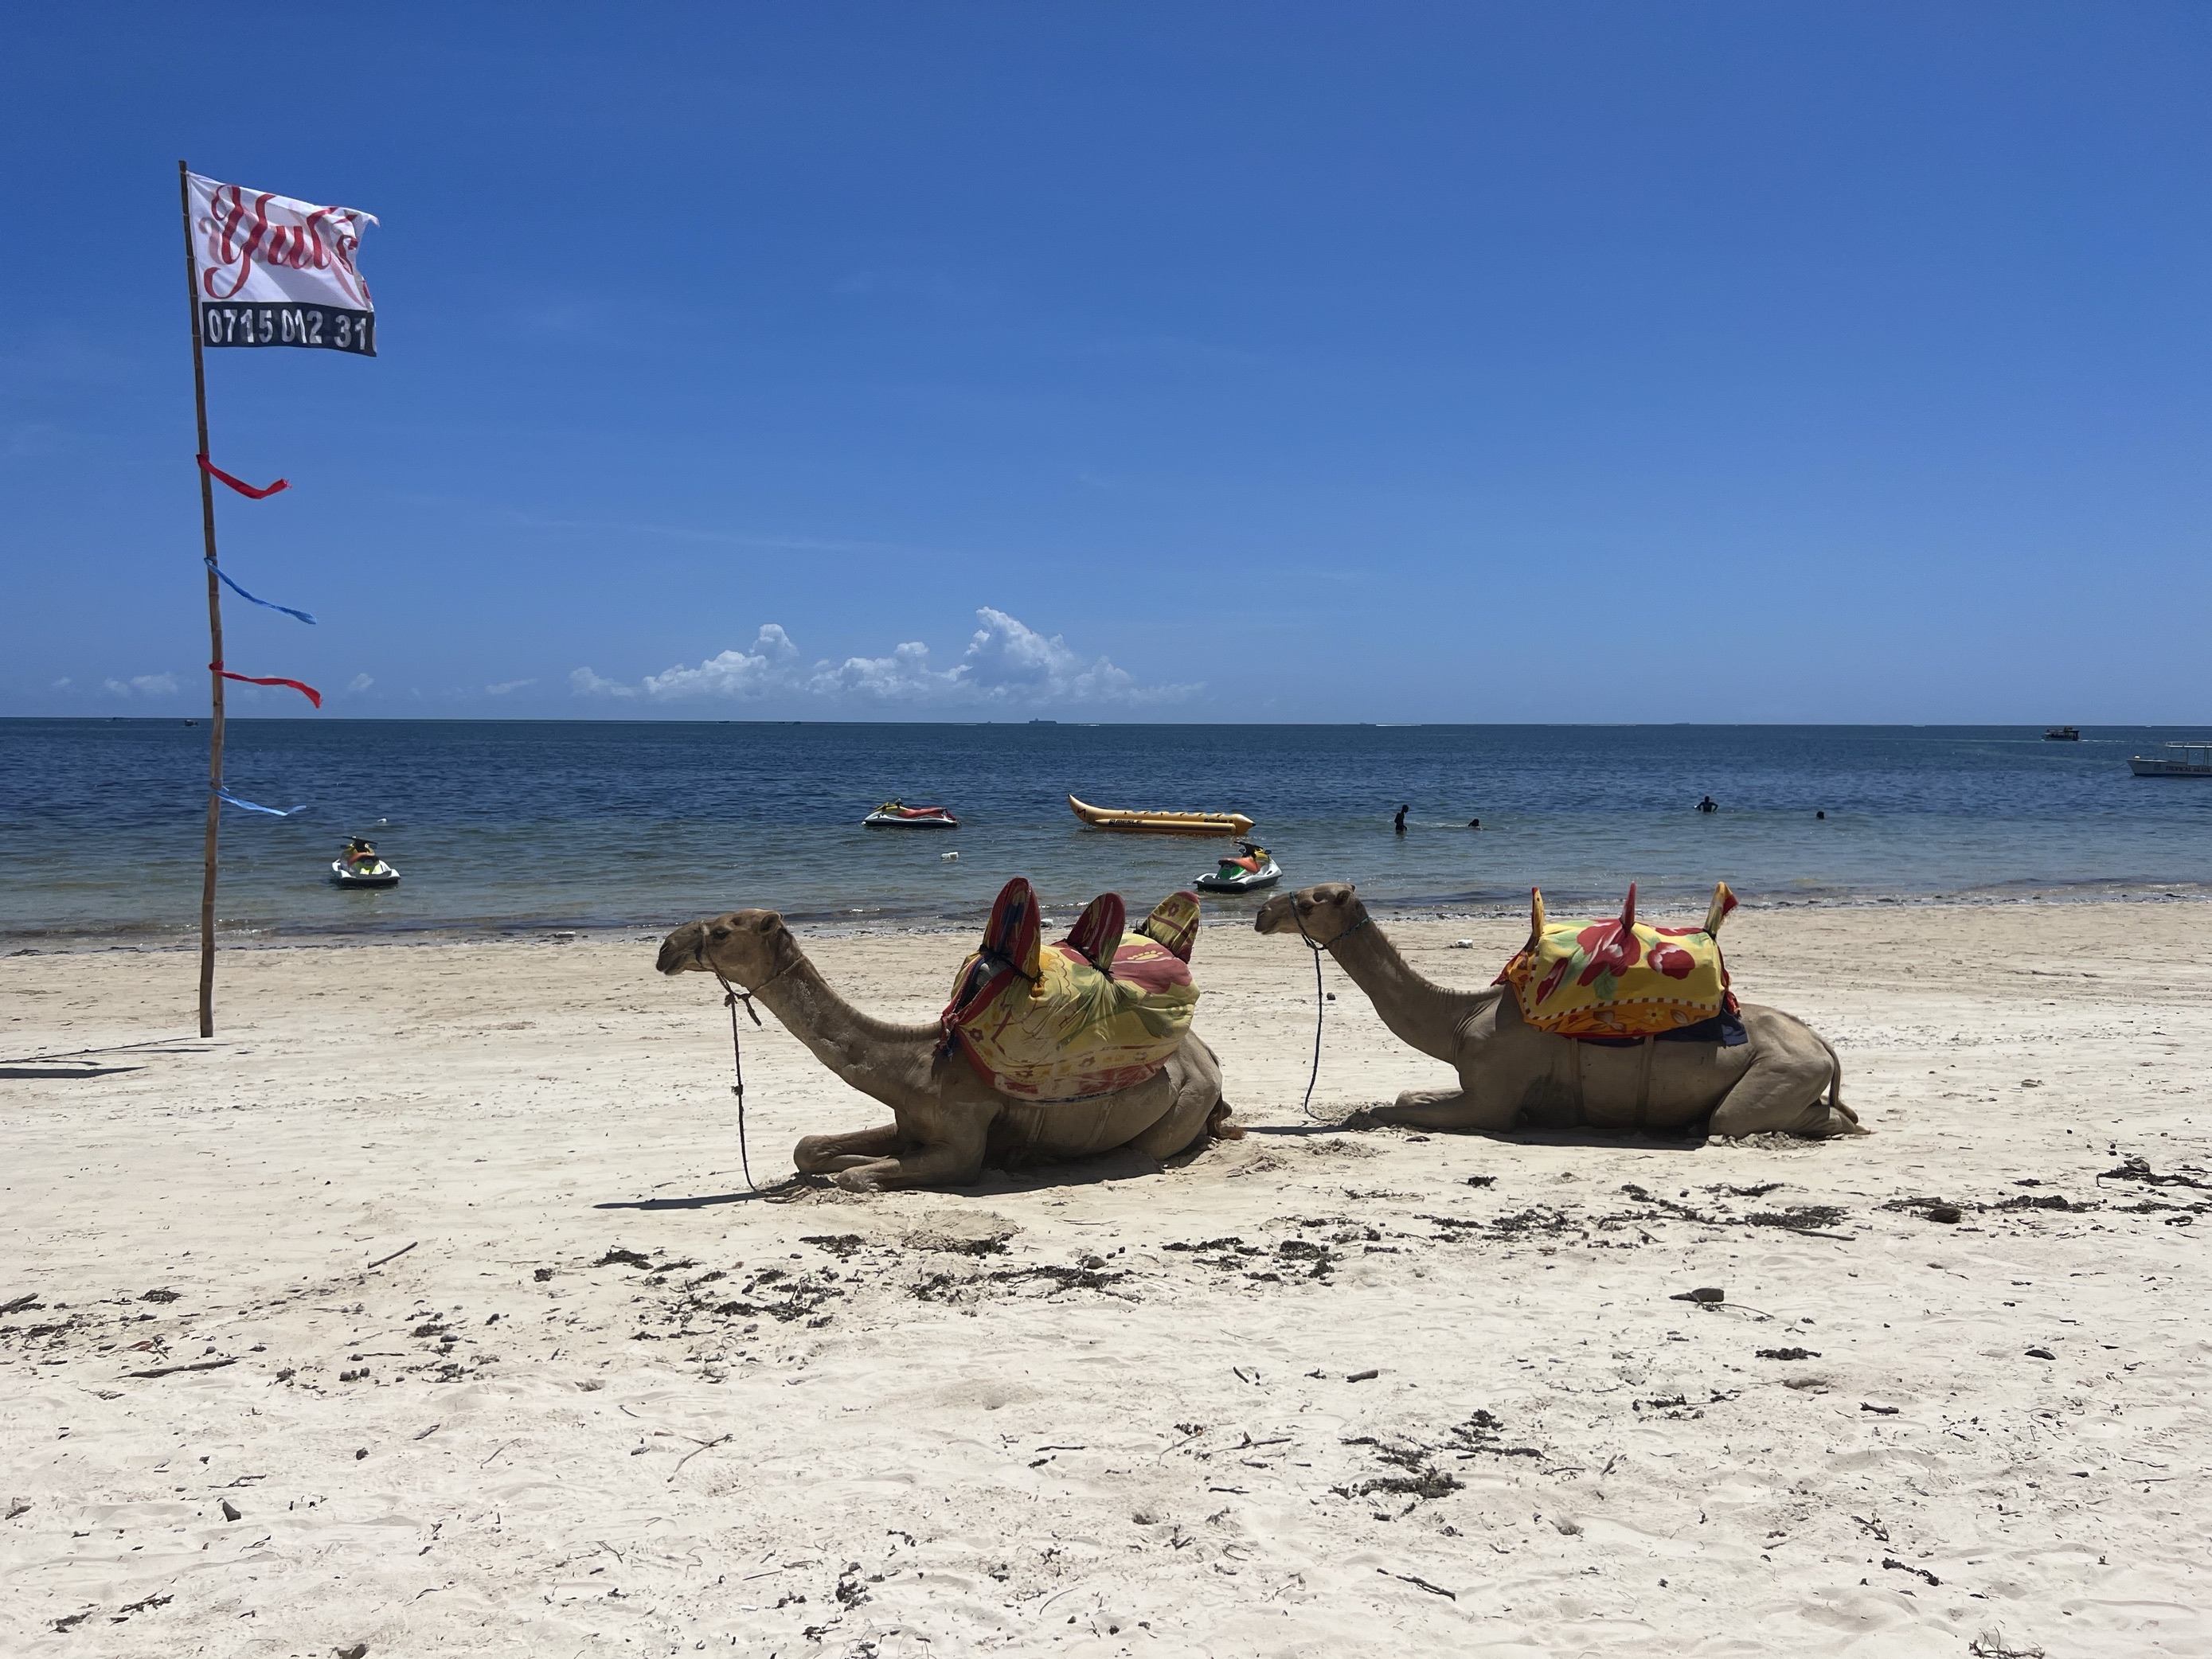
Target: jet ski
pixel 897 815
pixel 1255 870
pixel 358 865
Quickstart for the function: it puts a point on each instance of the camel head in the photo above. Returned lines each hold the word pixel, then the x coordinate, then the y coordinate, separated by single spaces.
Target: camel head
pixel 747 947
pixel 1325 912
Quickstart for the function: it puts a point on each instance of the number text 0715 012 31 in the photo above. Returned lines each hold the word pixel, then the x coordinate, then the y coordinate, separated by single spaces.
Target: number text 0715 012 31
pixel 284 325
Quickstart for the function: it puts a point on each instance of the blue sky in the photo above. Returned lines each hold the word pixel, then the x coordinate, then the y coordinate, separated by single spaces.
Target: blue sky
pixel 1392 362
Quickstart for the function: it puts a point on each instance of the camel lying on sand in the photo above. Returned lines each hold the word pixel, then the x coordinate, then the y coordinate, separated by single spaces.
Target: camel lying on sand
pixel 1513 1076
pixel 947 1122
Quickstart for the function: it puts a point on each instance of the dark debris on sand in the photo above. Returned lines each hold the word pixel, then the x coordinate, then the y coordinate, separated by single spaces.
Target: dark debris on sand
pixel 1288 1259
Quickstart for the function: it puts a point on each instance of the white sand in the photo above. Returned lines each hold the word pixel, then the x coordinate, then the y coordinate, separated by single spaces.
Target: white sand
pixel 950 1453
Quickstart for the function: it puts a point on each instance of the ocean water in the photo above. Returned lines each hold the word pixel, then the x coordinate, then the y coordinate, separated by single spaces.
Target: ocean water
pixel 510 825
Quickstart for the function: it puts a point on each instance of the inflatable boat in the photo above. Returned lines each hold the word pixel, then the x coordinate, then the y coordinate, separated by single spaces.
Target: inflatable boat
pixel 1161 824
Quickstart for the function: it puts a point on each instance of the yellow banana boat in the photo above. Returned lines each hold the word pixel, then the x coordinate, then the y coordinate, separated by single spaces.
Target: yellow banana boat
pixel 1161 824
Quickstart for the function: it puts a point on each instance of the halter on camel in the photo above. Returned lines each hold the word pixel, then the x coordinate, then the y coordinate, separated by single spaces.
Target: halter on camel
pixel 731 996
pixel 1314 1077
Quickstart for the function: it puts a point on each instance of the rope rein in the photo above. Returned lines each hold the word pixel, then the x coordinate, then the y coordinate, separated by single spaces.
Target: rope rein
pixel 1314 1077
pixel 731 996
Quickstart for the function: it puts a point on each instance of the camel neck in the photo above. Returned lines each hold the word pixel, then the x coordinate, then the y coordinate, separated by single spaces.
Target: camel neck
pixel 1417 1010
pixel 878 1057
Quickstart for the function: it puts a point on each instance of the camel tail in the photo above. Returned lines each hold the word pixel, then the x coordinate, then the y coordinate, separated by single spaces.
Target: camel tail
pixel 1836 1091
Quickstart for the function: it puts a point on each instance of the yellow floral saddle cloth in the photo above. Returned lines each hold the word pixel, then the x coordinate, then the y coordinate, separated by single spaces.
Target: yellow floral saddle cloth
pixel 1095 1012
pixel 1621 978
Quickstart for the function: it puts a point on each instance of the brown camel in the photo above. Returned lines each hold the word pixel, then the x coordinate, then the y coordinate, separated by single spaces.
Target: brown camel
pixel 947 1122
pixel 1512 1076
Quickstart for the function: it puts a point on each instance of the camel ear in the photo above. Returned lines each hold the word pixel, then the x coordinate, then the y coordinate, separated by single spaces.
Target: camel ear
pixel 1536 917
pixel 1628 911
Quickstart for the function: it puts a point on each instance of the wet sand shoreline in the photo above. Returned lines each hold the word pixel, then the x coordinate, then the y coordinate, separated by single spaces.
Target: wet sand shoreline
pixel 31 942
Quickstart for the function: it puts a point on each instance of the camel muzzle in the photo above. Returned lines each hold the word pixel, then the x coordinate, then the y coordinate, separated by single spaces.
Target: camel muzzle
pixel 683 951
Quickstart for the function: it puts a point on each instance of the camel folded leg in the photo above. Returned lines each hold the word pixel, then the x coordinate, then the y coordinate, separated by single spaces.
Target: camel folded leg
pixel 1782 1093
pixel 1183 1124
pixel 822 1154
pixel 946 1150
pixel 1446 1108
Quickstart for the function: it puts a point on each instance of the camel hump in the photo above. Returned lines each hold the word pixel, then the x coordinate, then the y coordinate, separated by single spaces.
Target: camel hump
pixel 1173 923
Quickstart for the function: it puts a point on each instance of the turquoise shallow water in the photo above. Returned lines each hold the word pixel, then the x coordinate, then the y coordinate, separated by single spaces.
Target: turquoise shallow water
pixel 501 825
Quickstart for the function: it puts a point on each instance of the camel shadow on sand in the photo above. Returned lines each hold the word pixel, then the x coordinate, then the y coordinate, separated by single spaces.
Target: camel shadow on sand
pixel 1105 1170
pixel 1359 1123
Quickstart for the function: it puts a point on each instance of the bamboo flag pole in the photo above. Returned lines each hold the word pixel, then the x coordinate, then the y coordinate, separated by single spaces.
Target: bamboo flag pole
pixel 215 617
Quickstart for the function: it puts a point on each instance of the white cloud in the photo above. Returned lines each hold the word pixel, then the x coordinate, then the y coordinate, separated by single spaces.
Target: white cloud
pixel 360 682
pixel 63 683
pixel 1006 663
pixel 766 667
pixel 1006 657
pixel 905 676
pixel 585 683
pixel 145 685
pixel 505 686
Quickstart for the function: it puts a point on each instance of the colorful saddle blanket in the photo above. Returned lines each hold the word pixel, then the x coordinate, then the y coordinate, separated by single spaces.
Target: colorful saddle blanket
pixel 1096 1012
pixel 1621 978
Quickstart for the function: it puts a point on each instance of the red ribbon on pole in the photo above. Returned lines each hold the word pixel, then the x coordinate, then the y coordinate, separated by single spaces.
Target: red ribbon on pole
pixel 306 691
pixel 240 484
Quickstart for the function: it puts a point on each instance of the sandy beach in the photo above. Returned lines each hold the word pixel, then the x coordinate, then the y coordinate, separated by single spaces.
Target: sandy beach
pixel 426 1308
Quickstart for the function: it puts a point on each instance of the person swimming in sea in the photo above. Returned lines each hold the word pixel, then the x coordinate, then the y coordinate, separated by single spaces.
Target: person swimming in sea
pixel 1398 824
pixel 1709 804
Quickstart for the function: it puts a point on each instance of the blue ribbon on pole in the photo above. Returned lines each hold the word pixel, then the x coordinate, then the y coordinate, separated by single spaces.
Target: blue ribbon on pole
pixel 255 806
pixel 243 594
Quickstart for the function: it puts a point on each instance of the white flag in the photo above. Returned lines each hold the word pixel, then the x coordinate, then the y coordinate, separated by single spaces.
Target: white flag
pixel 270 271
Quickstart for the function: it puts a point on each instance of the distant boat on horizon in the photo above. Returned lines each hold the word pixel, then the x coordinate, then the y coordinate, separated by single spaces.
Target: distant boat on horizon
pixel 2062 734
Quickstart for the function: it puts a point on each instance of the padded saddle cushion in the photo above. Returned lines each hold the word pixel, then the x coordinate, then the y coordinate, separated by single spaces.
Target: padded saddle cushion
pixel 1096 1012
pixel 1621 978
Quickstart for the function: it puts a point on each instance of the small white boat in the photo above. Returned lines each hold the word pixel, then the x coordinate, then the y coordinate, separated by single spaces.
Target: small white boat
pixel 897 815
pixel 1247 874
pixel 2177 760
